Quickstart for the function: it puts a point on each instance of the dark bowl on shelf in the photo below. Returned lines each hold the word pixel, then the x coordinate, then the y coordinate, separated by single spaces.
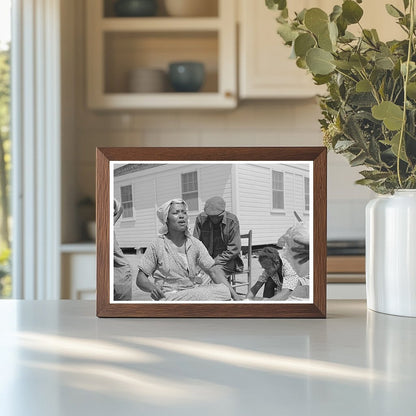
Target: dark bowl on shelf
pixel 135 8
pixel 186 76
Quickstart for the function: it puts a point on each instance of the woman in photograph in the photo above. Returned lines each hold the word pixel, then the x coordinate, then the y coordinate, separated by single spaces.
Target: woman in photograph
pixel 176 261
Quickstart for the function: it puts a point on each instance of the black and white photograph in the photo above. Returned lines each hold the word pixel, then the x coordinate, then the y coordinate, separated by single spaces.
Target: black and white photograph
pixel 200 232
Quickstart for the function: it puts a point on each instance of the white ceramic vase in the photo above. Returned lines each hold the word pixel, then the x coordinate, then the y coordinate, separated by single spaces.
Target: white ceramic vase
pixel 391 253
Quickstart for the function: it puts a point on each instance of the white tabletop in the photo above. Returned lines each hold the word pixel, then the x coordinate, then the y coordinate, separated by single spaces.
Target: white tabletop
pixel 57 358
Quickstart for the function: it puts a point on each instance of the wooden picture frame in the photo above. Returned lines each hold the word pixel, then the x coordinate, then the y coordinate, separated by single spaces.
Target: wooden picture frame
pixel 113 162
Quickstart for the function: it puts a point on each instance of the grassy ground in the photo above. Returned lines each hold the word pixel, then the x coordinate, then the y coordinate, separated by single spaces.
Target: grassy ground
pixel 138 294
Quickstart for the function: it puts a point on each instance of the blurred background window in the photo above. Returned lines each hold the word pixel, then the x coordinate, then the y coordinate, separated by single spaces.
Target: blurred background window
pixel 5 147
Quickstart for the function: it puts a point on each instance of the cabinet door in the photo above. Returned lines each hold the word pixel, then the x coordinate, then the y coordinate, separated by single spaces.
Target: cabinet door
pixel 266 71
pixel 78 276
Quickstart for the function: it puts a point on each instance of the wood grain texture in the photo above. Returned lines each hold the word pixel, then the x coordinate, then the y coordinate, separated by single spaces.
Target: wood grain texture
pixel 317 309
pixel 103 231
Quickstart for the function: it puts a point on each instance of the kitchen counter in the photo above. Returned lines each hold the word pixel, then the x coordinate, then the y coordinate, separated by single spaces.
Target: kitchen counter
pixel 57 358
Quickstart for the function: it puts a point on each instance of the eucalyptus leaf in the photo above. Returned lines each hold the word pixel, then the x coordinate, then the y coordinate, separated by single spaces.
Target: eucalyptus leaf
pixel 395 147
pixel 384 62
pixel 377 75
pixel 368 36
pixel 342 25
pixel 411 90
pixel 347 37
pixel 336 12
pixel 358 61
pixel 301 63
pixel 375 35
pixel 301 15
pixel 276 4
pixel 351 11
pixel 319 61
pixel 325 42
pixel 405 21
pixel 303 43
pixel 287 33
pixel 281 19
pixel 403 68
pixel 333 32
pixel 321 79
pixel 391 114
pixel 316 20
pixel 345 65
pixel 393 11
pixel 363 86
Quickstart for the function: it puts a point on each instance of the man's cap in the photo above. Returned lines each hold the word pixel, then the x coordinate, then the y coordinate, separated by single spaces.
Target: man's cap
pixel 214 206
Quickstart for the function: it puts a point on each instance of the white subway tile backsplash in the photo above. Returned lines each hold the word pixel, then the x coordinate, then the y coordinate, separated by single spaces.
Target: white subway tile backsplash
pixel 202 120
pixel 146 120
pixel 167 138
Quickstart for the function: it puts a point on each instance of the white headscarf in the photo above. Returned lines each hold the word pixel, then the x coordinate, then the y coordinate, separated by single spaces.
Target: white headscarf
pixel 163 211
pixel 118 210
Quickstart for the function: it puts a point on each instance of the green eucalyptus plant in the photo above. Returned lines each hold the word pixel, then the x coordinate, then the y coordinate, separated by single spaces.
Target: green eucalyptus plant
pixel 369 112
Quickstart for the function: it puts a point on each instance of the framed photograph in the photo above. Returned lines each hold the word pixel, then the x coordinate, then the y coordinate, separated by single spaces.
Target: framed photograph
pixel 211 232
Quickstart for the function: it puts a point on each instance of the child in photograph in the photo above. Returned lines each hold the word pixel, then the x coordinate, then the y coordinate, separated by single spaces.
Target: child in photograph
pixel 279 278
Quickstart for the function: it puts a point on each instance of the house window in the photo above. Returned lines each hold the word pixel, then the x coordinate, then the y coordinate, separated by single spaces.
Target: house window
pixel 278 190
pixel 127 201
pixel 306 194
pixel 190 190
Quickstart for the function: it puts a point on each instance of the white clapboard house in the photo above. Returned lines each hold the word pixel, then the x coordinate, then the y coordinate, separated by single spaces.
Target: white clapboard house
pixel 263 196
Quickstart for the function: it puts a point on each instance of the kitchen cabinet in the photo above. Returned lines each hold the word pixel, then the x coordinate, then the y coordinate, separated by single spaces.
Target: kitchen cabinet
pixel 265 67
pixel 118 45
pixel 78 264
pixel 265 70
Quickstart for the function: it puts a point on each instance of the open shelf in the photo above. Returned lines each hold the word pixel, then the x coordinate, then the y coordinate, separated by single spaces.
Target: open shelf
pixel 127 51
pixel 209 9
pixel 160 24
pixel 118 45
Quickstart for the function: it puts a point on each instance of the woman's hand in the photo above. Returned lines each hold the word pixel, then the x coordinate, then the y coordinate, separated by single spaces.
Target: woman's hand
pixel 236 296
pixel 143 282
pixel 156 293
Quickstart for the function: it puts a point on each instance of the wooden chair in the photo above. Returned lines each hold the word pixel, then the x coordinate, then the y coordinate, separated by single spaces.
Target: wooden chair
pixel 236 278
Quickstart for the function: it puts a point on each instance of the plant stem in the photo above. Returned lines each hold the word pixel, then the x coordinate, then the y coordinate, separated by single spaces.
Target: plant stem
pixel 406 79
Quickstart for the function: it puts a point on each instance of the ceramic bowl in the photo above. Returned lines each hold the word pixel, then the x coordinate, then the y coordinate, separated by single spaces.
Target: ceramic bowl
pixel 135 8
pixel 147 80
pixel 186 76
